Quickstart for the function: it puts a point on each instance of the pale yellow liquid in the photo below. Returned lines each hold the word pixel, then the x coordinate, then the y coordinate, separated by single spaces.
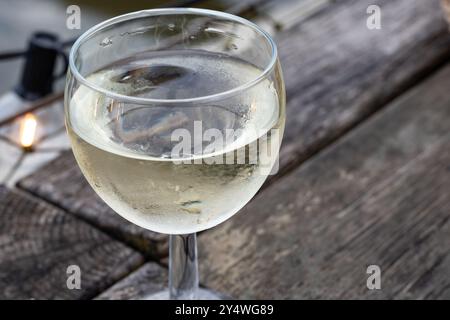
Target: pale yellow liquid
pixel 138 178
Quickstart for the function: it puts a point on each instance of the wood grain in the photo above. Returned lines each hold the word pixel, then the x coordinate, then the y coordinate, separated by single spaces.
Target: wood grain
pixel 62 183
pixel 338 72
pixel 37 244
pixel 378 196
pixel 145 281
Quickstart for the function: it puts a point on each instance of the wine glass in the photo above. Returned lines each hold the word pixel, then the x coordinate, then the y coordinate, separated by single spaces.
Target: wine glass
pixel 175 118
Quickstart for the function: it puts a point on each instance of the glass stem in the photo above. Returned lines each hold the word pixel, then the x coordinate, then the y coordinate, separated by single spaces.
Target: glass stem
pixel 183 268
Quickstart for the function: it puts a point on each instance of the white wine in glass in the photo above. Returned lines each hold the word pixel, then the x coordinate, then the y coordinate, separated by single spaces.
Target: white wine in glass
pixel 175 117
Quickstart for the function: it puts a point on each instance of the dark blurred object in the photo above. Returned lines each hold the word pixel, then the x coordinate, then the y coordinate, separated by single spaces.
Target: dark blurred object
pixel 38 73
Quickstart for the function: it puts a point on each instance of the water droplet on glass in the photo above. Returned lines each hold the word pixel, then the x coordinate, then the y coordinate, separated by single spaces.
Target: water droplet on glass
pixel 106 42
pixel 138 31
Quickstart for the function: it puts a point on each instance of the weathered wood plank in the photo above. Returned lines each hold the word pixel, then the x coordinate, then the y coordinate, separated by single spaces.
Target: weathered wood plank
pixel 238 7
pixel 37 244
pixel 378 196
pixel 288 13
pixel 416 260
pixel 338 72
pixel 144 282
pixel 62 183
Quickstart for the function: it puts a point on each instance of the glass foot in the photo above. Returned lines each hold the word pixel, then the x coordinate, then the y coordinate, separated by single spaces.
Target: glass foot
pixel 202 294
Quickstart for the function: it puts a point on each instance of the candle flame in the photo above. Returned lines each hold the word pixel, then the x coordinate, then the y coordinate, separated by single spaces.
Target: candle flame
pixel 28 130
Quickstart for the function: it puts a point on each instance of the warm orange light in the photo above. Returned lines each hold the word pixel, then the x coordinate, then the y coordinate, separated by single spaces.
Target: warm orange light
pixel 27 130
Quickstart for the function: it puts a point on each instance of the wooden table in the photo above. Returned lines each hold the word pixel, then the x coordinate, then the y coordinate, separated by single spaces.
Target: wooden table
pixel 364 178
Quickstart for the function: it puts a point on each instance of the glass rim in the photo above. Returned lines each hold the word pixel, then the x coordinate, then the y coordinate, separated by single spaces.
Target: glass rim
pixel 166 11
